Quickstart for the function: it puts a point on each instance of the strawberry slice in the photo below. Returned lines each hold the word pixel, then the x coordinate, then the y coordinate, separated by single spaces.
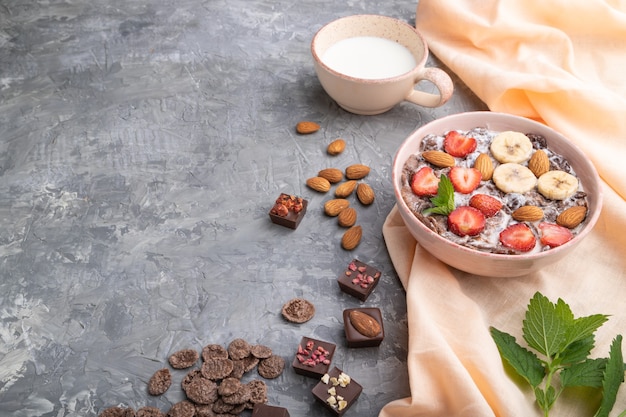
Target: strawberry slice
pixel 466 221
pixel 465 180
pixel 487 204
pixel 424 182
pixel 518 237
pixel 554 235
pixel 459 145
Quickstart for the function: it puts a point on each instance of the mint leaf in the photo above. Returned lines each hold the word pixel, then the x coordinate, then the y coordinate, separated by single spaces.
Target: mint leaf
pixel 545 326
pixel 584 374
pixel 584 327
pixel 613 377
pixel 444 200
pixel 577 351
pixel 525 363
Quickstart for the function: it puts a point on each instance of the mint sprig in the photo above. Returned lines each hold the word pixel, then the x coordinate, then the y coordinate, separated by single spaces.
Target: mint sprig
pixel 562 344
pixel 443 202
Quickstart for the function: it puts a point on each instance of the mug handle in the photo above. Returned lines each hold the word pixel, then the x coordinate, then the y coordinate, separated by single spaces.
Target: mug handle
pixel 441 80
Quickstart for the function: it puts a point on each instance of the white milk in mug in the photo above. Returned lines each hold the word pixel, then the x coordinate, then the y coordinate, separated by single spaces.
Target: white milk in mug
pixel 369 57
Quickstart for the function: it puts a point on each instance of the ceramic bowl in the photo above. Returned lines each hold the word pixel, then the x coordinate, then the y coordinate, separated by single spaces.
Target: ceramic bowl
pixel 490 264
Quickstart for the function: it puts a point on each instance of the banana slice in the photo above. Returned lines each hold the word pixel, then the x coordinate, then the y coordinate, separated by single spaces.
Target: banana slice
pixel 511 147
pixel 513 178
pixel 557 185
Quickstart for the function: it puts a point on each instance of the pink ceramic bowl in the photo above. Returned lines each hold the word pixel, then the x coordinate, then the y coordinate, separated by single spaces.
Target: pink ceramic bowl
pixel 489 264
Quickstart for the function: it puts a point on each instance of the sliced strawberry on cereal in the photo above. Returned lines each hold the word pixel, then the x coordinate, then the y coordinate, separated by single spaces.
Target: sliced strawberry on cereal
pixel 554 235
pixel 519 237
pixel 465 180
pixel 487 204
pixel 424 182
pixel 466 221
pixel 459 145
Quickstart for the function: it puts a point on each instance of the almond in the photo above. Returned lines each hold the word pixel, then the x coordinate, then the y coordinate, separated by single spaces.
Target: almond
pixel 484 164
pixel 347 217
pixel 334 207
pixel 528 214
pixel 365 194
pixel 539 163
pixel 344 189
pixel 357 171
pixel 572 217
pixel 319 184
pixel 336 147
pixel 351 238
pixel 306 127
pixel 439 159
pixel 365 324
pixel 333 175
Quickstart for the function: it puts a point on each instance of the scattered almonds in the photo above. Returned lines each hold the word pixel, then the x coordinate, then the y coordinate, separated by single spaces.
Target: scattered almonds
pixel 318 184
pixel 352 237
pixel 357 171
pixel 306 127
pixel 334 207
pixel 333 175
pixel 344 189
pixel 347 217
pixel 365 194
pixel 336 147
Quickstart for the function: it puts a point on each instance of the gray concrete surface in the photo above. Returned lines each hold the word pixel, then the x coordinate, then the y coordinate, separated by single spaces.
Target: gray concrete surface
pixel 142 144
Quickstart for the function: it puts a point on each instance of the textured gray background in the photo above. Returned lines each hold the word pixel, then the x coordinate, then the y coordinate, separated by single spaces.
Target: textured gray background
pixel 142 144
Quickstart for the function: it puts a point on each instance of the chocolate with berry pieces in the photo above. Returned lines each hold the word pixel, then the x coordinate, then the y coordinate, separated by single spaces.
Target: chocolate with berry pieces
pixel 313 357
pixel 359 279
pixel 288 210
pixel 507 192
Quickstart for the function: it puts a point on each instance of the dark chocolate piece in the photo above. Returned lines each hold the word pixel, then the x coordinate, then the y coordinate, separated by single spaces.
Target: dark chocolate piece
pixel 356 339
pixel 313 357
pixel 288 210
pixel 359 279
pixel 264 410
pixel 341 396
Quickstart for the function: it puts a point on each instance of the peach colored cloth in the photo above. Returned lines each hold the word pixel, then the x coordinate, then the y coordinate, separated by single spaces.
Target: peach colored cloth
pixel 561 62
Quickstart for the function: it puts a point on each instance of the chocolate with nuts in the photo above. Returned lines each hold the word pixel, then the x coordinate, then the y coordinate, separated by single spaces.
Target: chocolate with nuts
pixel 313 357
pixel 337 391
pixel 359 279
pixel 363 327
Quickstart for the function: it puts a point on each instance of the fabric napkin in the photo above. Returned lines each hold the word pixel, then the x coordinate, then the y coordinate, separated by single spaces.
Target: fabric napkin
pixel 563 63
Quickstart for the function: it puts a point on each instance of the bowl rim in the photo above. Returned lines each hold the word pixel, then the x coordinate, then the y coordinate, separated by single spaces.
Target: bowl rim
pixel 490 116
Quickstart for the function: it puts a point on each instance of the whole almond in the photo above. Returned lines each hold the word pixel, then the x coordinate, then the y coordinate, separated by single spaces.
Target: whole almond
pixel 319 184
pixel 528 214
pixel 352 237
pixel 572 217
pixel 344 189
pixel 439 159
pixel 333 175
pixel 357 171
pixel 306 127
pixel 484 164
pixel 365 194
pixel 336 147
pixel 365 324
pixel 334 207
pixel 347 217
pixel 539 163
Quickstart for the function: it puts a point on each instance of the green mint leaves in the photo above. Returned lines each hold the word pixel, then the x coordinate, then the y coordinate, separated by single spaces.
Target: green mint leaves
pixel 563 344
pixel 444 200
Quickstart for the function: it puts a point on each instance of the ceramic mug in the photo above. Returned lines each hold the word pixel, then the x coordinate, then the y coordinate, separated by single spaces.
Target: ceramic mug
pixel 376 41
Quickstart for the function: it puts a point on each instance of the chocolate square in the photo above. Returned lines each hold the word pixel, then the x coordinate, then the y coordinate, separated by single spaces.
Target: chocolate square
pixel 356 339
pixel 359 279
pixel 288 210
pixel 264 410
pixel 313 357
pixel 349 393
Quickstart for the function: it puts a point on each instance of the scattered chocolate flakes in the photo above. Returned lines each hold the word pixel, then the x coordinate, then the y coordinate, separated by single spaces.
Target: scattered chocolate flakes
pixel 183 359
pixel 160 382
pixel 229 386
pixel 271 367
pixel 214 351
pixel 258 391
pixel 117 412
pixel 150 412
pixel 202 391
pixel 298 310
pixel 216 369
pixel 238 349
pixel 182 409
pixel 261 351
